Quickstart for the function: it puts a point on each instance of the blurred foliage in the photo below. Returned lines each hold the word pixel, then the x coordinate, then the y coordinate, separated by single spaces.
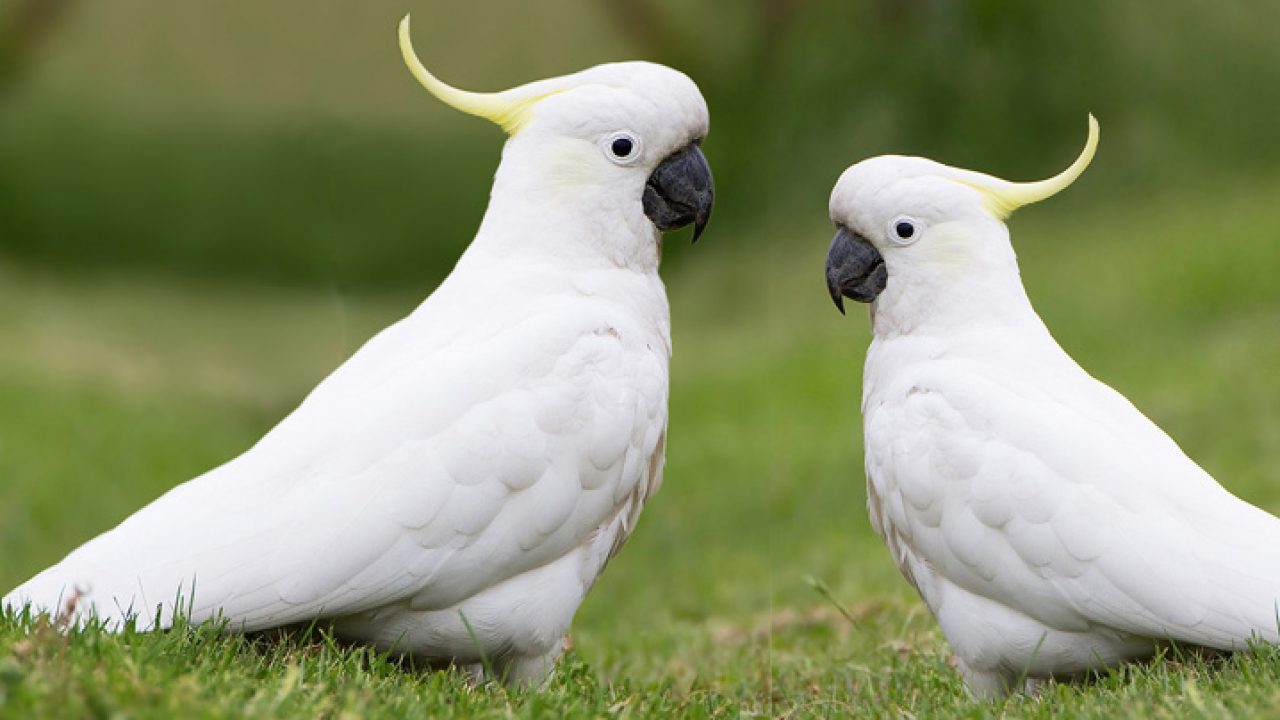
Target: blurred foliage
pixel 273 142
pixel 24 25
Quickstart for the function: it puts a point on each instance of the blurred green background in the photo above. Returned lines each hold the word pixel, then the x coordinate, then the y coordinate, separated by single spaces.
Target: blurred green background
pixel 205 207
pixel 279 143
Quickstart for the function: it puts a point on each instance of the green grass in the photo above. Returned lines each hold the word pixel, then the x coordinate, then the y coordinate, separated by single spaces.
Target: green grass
pixel 114 387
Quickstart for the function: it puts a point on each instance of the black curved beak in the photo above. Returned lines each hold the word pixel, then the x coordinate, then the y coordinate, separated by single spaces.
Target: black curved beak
pixel 855 269
pixel 680 191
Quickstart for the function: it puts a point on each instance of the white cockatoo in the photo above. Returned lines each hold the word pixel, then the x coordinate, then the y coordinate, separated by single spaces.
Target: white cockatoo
pixel 1050 527
pixel 454 489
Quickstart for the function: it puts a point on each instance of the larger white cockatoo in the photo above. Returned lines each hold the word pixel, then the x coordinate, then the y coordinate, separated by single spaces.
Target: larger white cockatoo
pixel 454 489
pixel 1050 527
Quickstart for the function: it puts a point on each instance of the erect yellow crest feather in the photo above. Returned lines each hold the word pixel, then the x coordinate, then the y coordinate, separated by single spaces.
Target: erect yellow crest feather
pixel 1002 197
pixel 510 109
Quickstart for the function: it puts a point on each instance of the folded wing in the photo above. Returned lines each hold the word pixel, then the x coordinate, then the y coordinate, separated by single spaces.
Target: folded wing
pixel 1062 501
pixel 430 466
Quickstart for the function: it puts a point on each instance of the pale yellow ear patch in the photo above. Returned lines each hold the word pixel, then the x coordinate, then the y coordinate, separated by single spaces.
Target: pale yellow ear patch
pixel 949 251
pixel 568 165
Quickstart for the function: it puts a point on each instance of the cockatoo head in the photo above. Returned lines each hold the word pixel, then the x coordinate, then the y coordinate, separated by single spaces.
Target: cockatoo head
pixel 618 142
pixel 919 231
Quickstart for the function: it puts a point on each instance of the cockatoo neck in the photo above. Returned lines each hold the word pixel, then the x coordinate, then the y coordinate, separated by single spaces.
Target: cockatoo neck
pixel 964 281
pixel 546 203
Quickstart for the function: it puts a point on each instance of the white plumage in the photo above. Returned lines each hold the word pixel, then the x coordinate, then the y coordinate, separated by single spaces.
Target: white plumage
pixel 1048 525
pixel 455 488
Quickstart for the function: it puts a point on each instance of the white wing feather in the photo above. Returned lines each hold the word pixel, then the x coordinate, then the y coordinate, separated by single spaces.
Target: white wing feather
pixel 1035 486
pixel 458 448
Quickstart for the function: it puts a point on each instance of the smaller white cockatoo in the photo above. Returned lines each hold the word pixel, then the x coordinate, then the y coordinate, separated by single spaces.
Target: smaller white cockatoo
pixel 454 489
pixel 1050 527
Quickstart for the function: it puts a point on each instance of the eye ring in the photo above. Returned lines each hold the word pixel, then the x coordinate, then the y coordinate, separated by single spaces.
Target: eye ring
pixel 622 148
pixel 905 230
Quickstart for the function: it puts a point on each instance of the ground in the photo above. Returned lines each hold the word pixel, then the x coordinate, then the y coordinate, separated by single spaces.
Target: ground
pixel 753 586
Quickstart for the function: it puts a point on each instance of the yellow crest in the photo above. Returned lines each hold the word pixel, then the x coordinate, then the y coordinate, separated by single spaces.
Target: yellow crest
pixel 1002 197
pixel 510 109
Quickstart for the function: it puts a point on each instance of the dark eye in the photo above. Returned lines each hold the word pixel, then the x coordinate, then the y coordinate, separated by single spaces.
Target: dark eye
pixel 622 148
pixel 904 230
